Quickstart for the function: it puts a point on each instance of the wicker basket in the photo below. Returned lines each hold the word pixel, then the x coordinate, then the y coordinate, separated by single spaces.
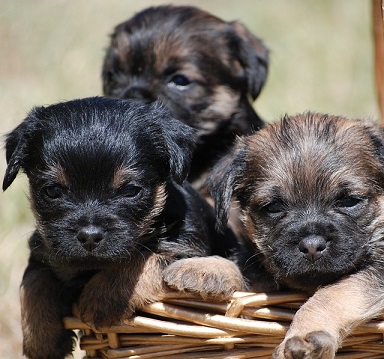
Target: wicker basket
pixel 247 326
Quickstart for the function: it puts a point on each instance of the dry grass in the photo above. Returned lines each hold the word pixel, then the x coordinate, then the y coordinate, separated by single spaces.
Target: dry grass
pixel 51 50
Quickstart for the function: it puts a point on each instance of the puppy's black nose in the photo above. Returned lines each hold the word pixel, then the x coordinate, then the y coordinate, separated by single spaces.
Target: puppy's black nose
pixel 313 247
pixel 90 237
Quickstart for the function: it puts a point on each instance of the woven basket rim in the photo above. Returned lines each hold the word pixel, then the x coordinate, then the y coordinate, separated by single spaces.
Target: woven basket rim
pixel 248 325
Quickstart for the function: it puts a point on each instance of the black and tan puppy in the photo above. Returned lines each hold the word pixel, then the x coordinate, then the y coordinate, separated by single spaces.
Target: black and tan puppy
pixel 204 69
pixel 311 192
pixel 112 210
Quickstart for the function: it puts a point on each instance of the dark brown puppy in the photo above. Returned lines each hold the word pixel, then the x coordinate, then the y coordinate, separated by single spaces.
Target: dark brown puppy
pixel 113 210
pixel 311 192
pixel 203 69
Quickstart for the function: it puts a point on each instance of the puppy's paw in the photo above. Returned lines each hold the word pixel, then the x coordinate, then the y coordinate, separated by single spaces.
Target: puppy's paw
pixel 315 345
pixel 105 300
pixel 103 311
pixel 56 344
pixel 210 277
pixel 115 293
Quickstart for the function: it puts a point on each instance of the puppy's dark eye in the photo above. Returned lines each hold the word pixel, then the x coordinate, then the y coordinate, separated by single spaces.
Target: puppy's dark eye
pixel 53 191
pixel 180 80
pixel 129 190
pixel 274 207
pixel 348 202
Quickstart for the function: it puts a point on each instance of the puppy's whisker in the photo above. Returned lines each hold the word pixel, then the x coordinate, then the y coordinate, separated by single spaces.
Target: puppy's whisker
pixel 145 247
pixel 251 260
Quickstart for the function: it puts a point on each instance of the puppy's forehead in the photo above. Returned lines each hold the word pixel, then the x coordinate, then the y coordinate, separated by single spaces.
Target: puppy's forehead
pixel 312 154
pixel 113 177
pixel 87 156
pixel 158 38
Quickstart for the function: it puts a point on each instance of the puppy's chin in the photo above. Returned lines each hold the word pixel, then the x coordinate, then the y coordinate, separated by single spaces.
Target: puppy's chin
pixel 304 254
pixel 342 255
pixel 310 279
pixel 67 251
pixel 91 261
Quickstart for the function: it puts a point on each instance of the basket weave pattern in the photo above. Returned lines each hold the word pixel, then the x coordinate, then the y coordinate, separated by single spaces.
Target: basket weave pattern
pixel 249 325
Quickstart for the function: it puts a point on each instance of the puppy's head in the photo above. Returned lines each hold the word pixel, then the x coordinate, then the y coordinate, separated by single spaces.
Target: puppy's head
pixel 98 170
pixel 311 193
pixel 202 68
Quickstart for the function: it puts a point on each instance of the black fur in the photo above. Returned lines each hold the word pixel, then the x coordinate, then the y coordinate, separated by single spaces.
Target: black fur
pixel 96 168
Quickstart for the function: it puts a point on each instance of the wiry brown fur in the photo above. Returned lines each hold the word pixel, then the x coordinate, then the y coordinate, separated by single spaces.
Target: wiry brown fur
pixel 311 193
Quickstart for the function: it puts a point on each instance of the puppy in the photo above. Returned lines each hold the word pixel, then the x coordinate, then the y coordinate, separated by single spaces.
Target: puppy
pixel 112 210
pixel 311 192
pixel 205 70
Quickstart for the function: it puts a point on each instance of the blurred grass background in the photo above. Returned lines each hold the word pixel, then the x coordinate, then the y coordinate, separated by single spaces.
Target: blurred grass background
pixel 52 50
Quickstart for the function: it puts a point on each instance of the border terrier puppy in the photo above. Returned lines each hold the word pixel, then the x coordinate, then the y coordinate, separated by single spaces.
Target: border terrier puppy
pixel 311 193
pixel 112 210
pixel 205 70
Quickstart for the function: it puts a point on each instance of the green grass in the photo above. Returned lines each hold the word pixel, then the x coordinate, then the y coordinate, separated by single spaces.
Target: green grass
pixel 52 50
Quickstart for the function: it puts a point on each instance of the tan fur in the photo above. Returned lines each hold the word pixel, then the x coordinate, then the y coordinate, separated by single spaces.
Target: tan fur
pixel 223 102
pixel 209 277
pixel 158 206
pixel 121 176
pixel 334 310
pixel 138 284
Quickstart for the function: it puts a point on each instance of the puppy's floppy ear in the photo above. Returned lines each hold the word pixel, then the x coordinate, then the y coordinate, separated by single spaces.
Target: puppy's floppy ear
pixel 253 55
pixel 16 143
pixel 180 143
pixel 224 180
pixel 376 133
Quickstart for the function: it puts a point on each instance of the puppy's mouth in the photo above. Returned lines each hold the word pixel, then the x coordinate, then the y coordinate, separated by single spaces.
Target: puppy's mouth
pixel 92 247
pixel 316 261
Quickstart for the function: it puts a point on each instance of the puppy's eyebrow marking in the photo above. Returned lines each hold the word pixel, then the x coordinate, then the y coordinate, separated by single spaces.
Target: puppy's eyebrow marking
pixel 58 175
pixel 121 176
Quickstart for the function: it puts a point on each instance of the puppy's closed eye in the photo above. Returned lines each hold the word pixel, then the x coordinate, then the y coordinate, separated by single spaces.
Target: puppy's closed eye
pixel 53 191
pixel 129 190
pixel 350 201
pixel 274 208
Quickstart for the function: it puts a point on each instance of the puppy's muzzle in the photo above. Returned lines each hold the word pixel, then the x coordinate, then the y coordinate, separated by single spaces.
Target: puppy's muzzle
pixel 90 237
pixel 313 247
pixel 140 93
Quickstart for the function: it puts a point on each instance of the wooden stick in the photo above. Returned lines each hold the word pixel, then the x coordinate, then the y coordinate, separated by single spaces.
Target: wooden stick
pixel 378 30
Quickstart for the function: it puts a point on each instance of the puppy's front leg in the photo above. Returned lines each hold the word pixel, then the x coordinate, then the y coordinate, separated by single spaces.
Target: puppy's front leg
pixel 321 324
pixel 44 303
pixel 114 293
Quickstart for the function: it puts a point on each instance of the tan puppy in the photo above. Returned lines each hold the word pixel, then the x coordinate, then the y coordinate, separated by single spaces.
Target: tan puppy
pixel 311 192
